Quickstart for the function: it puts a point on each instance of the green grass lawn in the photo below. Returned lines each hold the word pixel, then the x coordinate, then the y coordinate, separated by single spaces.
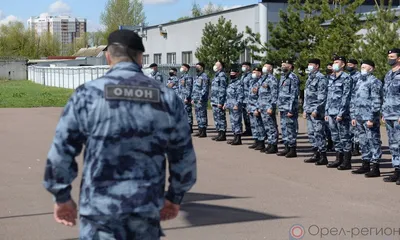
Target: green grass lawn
pixel 26 94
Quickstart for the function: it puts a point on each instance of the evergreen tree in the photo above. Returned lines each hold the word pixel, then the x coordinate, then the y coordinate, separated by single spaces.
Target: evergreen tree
pixel 220 41
pixel 382 35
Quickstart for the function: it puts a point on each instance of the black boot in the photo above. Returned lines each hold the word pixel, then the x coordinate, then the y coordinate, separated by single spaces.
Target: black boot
pixel 222 137
pixel 356 150
pixel 273 149
pixel 292 152
pixel 315 157
pixel 337 162
pixel 393 178
pixel 232 140
pixel 215 137
pixel 374 171
pixel 260 146
pixel 198 133
pixel 284 152
pixel 323 160
pixel 238 140
pixel 266 148
pixel 203 133
pixel 365 167
pixel 346 164
pixel 254 145
pixel 329 147
pixel 191 128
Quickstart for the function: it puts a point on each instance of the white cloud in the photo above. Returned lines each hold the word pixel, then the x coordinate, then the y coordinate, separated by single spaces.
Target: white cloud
pixel 59 7
pixel 158 1
pixel 7 19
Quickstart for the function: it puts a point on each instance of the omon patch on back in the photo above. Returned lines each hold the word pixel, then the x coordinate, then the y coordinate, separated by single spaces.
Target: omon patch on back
pixel 132 93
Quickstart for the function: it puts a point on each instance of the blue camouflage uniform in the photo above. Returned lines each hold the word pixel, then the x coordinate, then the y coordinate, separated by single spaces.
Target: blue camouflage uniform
pixel 157 76
pixel 200 98
pixel 288 101
pixel 366 106
pixel 391 114
pixel 173 83
pixel 128 123
pixel 315 95
pixel 267 98
pixel 234 98
pixel 246 77
pixel 257 126
pixel 338 105
pixel 218 97
pixel 326 125
pixel 185 86
pixel 355 76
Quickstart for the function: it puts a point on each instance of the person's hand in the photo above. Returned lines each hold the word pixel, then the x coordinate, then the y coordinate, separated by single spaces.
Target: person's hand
pixel 314 114
pixel 186 101
pixel 224 107
pixel 383 120
pixel 192 101
pixel 353 122
pixel 169 211
pixel 338 119
pixel 255 113
pixel 304 115
pixel 370 124
pixel 66 213
pixel 289 115
pixel 235 108
pixel 269 111
pixel 326 118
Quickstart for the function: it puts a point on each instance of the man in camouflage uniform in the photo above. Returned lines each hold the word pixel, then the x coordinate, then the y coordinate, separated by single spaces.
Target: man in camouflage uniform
pixel 234 102
pixel 128 123
pixel 257 126
pixel 391 111
pixel 218 98
pixel 172 81
pixel 355 75
pixel 200 99
pixel 246 77
pixel 185 86
pixel 337 114
pixel 155 74
pixel 315 94
pixel 288 101
pixel 365 114
pixel 329 74
pixel 267 97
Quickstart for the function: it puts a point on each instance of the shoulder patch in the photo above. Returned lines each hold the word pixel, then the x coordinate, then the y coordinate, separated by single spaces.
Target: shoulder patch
pixel 132 93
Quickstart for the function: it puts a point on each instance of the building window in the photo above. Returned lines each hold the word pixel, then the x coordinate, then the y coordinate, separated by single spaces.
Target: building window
pixel 245 56
pixel 157 58
pixel 145 59
pixel 187 57
pixel 171 58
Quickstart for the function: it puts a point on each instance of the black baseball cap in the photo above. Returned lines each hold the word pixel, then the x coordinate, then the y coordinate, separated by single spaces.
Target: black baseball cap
pixel 126 38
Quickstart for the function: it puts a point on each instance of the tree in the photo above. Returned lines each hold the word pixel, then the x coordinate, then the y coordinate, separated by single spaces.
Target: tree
pixel 211 8
pixel 198 12
pixel 220 41
pixel 122 12
pixel 96 38
pixel 382 35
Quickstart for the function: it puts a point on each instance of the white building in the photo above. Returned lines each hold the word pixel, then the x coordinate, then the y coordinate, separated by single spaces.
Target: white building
pixel 176 42
pixel 65 28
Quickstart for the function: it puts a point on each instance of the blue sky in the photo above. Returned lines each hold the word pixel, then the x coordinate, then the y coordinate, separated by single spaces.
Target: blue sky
pixel 157 11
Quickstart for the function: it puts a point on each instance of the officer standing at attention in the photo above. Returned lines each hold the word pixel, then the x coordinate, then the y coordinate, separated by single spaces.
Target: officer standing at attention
pixel 172 81
pixel 288 101
pixel 234 102
pixel 337 114
pixel 355 76
pixel 267 97
pixel 128 122
pixel 329 74
pixel 365 114
pixel 314 111
pixel 246 76
pixel 257 127
pixel 155 74
pixel 200 99
pixel 185 92
pixel 218 98
pixel 391 111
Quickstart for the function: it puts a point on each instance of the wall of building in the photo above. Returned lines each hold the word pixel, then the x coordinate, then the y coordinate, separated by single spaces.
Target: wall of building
pixel 13 69
pixel 186 35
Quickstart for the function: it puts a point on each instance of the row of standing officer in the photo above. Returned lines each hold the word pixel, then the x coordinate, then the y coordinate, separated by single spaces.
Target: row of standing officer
pixel 352 103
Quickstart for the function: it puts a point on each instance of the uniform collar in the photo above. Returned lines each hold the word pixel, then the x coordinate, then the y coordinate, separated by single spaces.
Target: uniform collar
pixel 125 66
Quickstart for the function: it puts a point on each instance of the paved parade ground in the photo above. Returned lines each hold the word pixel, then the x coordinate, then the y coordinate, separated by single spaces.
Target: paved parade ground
pixel 240 193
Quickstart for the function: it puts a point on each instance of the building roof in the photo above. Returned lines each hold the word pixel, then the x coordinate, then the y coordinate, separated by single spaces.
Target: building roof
pixel 90 52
